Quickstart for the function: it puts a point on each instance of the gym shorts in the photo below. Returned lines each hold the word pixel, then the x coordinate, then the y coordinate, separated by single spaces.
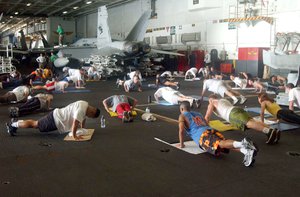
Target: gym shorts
pixel 47 123
pixel 210 140
pixel 238 117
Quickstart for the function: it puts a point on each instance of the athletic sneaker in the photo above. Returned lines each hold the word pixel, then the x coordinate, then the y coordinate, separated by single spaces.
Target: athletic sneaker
pixel 278 132
pixel 271 136
pixel 248 144
pixel 198 103
pixel 243 100
pixel 117 82
pixel 249 157
pixel 13 112
pixel 191 101
pixel 10 129
pixel 126 117
pixel 130 116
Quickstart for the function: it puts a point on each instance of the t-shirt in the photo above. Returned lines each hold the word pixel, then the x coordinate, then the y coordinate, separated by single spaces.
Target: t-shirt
pixel 212 85
pixel 21 92
pixel 75 73
pixel 294 95
pixel 240 82
pixel 41 59
pixel 60 30
pixel 53 58
pixel 166 93
pixel 60 85
pixel 197 125
pixel 224 109
pixel 64 117
pixel 131 85
pixel 115 100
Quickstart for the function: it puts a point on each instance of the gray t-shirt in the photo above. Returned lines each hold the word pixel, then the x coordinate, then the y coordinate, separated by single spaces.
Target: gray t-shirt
pixel 115 100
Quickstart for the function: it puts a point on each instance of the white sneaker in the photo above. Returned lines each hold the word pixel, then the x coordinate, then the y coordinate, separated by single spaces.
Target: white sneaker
pixel 249 157
pixel 243 100
pixel 248 144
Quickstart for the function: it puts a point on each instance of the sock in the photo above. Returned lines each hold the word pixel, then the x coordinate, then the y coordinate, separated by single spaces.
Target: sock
pixel 16 124
pixel 237 144
pixel 243 150
pixel 266 130
pixel 234 98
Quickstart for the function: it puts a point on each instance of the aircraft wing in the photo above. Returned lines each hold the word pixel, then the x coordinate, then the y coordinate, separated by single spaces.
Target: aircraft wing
pixel 165 52
pixel 281 61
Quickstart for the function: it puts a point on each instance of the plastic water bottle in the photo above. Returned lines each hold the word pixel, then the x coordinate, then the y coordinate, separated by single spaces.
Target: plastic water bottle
pixel 147 110
pixel 102 122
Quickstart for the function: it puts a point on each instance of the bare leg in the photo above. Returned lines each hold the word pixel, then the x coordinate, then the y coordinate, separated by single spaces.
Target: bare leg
pixel 258 126
pixel 38 87
pixel 226 144
pixel 28 124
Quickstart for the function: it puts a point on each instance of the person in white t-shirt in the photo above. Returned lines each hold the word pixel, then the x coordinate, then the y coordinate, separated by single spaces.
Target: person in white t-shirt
pixel 294 95
pixel 219 87
pixel 41 60
pixel 75 75
pixel 191 73
pixel 239 118
pixel 172 96
pixel 135 73
pixel 69 118
pixel 242 83
pixel 19 94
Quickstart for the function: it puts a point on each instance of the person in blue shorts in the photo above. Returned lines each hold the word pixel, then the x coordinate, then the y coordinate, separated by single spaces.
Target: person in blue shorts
pixel 208 139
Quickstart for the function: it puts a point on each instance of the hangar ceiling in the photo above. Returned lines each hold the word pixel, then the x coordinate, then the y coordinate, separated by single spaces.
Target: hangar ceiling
pixel 20 11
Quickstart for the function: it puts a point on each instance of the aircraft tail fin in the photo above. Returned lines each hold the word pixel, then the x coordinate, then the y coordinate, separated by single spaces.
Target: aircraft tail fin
pixel 103 33
pixel 139 30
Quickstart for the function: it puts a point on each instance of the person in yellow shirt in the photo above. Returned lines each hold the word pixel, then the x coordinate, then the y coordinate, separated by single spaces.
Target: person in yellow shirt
pixel 269 104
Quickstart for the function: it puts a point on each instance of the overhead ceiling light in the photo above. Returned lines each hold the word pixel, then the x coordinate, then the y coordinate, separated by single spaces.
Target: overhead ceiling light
pixel 16 13
pixel 28 4
pixel 11 16
pixel 75 8
pixel 88 2
pixel 65 12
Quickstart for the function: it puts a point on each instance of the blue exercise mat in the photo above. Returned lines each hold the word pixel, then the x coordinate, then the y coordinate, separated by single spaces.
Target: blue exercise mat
pixel 72 90
pixel 285 126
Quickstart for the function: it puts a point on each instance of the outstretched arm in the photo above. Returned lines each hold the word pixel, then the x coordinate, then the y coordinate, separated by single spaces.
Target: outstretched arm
pixel 74 129
pixel 105 105
pixel 262 111
pixel 181 131
pixel 209 111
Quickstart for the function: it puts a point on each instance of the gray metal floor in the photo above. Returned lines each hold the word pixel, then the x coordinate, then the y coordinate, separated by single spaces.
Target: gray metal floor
pixel 125 160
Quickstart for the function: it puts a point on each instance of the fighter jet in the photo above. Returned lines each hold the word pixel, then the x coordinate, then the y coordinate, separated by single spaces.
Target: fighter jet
pixel 103 45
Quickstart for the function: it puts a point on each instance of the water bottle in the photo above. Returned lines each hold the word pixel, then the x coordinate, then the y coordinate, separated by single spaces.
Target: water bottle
pixel 147 110
pixel 102 122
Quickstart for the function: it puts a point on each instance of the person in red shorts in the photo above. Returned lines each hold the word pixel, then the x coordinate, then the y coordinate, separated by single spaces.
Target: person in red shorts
pixel 121 104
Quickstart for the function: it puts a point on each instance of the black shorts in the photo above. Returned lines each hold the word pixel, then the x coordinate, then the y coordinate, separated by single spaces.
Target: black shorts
pixel 46 123
pixel 162 80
